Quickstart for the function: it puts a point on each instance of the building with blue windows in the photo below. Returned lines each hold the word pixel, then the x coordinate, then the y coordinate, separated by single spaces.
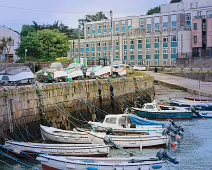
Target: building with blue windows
pixel 155 40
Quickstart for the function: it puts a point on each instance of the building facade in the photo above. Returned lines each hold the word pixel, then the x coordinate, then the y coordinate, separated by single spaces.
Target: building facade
pixel 156 40
pixel 11 46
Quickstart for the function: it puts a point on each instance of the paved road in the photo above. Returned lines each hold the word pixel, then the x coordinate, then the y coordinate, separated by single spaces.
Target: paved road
pixel 189 85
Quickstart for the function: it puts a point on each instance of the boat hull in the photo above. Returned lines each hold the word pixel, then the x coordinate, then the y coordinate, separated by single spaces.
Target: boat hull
pixel 144 141
pixel 164 116
pixel 56 163
pixel 62 136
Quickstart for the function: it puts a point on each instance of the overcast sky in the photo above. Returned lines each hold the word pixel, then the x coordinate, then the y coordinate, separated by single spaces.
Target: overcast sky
pixel 15 18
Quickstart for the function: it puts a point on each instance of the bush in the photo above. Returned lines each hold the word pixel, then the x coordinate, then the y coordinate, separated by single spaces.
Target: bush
pixel 63 59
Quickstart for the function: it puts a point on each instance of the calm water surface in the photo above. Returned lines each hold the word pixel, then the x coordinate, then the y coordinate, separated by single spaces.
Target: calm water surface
pixel 194 152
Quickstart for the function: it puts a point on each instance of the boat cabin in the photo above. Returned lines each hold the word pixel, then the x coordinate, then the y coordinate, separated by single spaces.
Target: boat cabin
pixel 122 120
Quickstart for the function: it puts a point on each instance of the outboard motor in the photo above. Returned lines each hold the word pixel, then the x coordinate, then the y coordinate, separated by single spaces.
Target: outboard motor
pixel 163 155
pixel 109 131
pixel 194 111
pixel 175 128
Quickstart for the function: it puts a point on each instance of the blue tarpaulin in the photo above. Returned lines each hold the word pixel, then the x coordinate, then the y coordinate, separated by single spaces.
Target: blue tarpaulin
pixel 142 122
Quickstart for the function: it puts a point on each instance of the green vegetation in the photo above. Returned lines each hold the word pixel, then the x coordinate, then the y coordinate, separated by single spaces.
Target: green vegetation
pixel 43 45
pixel 133 73
pixel 153 11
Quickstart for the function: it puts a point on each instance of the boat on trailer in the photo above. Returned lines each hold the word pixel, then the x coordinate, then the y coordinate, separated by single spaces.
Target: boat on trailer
pixel 132 163
pixel 25 149
pixel 156 112
pixel 63 136
pixel 130 141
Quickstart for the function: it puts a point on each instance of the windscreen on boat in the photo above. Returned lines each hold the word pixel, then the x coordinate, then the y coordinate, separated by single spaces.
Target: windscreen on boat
pixel 140 121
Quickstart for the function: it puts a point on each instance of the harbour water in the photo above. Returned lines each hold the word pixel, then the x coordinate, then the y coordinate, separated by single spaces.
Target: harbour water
pixel 193 153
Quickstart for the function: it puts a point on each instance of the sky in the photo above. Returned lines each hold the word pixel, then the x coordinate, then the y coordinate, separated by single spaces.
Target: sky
pixel 14 16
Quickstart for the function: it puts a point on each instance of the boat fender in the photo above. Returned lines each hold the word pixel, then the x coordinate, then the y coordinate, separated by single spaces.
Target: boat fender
pixel 92 168
pixel 157 166
pixel 203 118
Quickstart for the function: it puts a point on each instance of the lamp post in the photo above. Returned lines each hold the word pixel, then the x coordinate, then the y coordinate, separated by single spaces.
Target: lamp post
pixel 25 55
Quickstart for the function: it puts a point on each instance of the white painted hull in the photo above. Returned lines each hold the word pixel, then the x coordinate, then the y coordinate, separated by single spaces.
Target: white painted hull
pixel 85 150
pixel 63 163
pixel 130 141
pixel 63 136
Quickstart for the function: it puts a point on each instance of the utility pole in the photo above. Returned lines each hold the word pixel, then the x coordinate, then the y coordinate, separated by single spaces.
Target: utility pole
pixel 111 57
pixel 79 47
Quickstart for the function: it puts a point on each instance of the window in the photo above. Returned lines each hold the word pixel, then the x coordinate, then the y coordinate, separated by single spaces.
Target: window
pixel 165 50
pixel 98 44
pixel 87 45
pixel 131 51
pixel 174 38
pixel 93 27
pixel 110 120
pixel 199 13
pixel 123 23
pixel 99 26
pixel 117 43
pixel 82 54
pixel 165 62
pixel 93 44
pixel 195 26
pixel 129 22
pixel 139 52
pixel 105 25
pixel 204 26
pixel 93 54
pixel 191 5
pixel 157 51
pixel 195 39
pixel 125 42
pixel 140 41
pixel 149 28
pixel 125 53
pixel 98 54
pixel 174 50
pixel 165 39
pixel 148 52
pixel 104 44
pixel 148 40
pixel 105 53
pixel 157 39
pixel 149 107
pixel 132 42
pixel 82 45
pixel 88 27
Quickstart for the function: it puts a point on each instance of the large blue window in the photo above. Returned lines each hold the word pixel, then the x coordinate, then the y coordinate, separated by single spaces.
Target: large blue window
pixel 99 31
pixel 110 29
pixel 117 47
pixel 174 23
pixel 132 57
pixel 117 57
pixel 148 45
pixel 165 44
pixel 117 29
pixel 77 50
pixel 157 26
pixel 99 48
pixel 195 26
pixel 82 49
pixel 165 56
pixel 157 45
pixel 93 31
pixel 129 27
pixel 88 32
pixel 157 56
pixel 174 56
pixel 125 47
pixel 174 44
pixel 139 46
pixel 93 58
pixel 165 25
pixel 139 57
pixel 93 49
pixel 87 49
pixel 123 29
pixel 125 57
pixel 105 30
pixel 105 48
pixel 132 47
pixel 148 57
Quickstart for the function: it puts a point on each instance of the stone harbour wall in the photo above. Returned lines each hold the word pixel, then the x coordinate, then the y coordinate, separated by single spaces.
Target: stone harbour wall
pixel 65 105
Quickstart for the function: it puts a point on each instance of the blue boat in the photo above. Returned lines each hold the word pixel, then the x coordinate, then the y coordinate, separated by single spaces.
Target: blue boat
pixel 199 109
pixel 156 112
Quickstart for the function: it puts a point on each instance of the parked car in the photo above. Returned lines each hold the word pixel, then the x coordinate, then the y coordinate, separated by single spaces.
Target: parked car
pixel 139 68
pixel 125 66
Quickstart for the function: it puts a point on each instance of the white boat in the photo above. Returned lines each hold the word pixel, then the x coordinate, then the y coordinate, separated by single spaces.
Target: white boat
pixel 67 163
pixel 129 141
pixel 33 149
pixel 98 71
pixel 16 75
pixel 74 71
pixel 128 123
pixel 139 68
pixel 63 136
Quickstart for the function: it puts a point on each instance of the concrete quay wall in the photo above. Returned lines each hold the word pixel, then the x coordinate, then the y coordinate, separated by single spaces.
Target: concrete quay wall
pixel 64 105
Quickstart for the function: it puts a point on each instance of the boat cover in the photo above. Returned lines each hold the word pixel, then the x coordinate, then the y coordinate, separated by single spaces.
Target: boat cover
pixel 140 121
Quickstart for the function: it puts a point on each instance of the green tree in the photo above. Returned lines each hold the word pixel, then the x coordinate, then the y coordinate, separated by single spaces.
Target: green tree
pixel 26 29
pixel 175 1
pixel 154 10
pixel 45 45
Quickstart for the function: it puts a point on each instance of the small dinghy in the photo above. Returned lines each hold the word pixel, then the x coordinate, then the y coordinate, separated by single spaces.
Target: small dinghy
pixel 63 136
pixel 33 149
pixel 132 163
pixel 138 141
